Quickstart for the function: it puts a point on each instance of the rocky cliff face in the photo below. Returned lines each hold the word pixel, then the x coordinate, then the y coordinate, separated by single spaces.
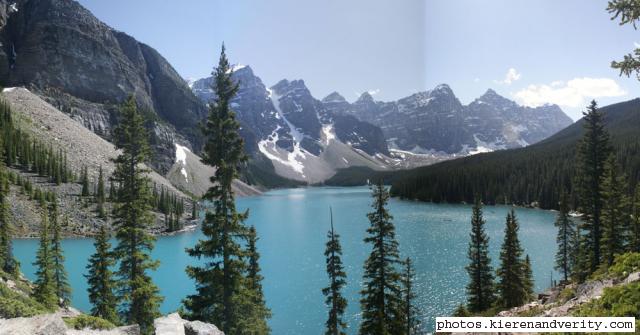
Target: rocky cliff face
pixel 59 50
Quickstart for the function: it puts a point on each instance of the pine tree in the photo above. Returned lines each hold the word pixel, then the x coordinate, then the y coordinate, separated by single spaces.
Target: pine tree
pixel 60 282
pixel 101 281
pixel 615 216
pixel 335 324
pixel 100 195
pixel 85 182
pixel 140 296
pixel 220 284
pixel 634 240
pixel 527 281
pixel 45 290
pixel 511 279
pixel 255 310
pixel 194 210
pixel 593 151
pixel 412 321
pixel 480 290
pixel 565 239
pixel 8 263
pixel 381 301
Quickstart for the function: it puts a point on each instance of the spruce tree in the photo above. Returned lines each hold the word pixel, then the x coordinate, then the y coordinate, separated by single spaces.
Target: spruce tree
pixel 100 194
pixel 132 218
pixel 60 281
pixel 593 151
pixel 512 290
pixel 85 182
pixel 381 301
pixel 565 239
pixel 255 309
pixel 634 240
pixel 480 290
pixel 527 281
pixel 615 216
pixel 45 289
pixel 336 302
pixel 220 286
pixel 8 263
pixel 412 320
pixel 100 279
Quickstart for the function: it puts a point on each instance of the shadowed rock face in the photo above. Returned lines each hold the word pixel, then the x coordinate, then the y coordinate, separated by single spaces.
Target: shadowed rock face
pixel 60 50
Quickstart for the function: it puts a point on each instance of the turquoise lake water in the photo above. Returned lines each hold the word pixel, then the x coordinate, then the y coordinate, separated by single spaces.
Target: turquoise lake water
pixel 292 226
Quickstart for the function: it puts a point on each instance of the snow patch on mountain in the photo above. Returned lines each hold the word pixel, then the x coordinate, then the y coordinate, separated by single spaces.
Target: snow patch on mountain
pixel 181 157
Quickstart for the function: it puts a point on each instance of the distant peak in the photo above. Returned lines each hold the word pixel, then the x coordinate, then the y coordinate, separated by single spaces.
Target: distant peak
pixel 492 97
pixel 334 97
pixel 365 97
pixel 442 87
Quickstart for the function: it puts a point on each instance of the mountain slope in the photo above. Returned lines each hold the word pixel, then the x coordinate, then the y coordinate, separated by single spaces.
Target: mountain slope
pixel 60 51
pixel 534 174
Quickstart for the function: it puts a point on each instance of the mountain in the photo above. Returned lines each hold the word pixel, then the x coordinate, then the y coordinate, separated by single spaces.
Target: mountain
pixel 296 134
pixel 60 51
pixel 435 121
pixel 531 175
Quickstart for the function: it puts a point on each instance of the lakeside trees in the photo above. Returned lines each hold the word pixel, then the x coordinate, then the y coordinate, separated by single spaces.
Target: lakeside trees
pixel 139 295
pixel 100 279
pixel 480 290
pixel 335 324
pixel 513 284
pixel 221 283
pixel 566 239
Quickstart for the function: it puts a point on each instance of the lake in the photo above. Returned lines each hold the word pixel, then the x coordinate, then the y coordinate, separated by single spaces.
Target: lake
pixel 292 225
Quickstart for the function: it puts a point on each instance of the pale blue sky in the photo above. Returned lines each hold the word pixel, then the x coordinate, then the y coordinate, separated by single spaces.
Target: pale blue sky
pixel 559 51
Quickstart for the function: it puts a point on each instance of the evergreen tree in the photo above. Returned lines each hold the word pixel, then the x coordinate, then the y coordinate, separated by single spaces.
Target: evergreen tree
pixel 220 285
pixel 381 301
pixel 45 289
pixel 100 195
pixel 634 241
pixel 60 282
pixel 412 321
pixel 140 296
pixel 527 281
pixel 194 210
pixel 101 281
pixel 85 182
pixel 615 216
pixel 565 239
pixel 335 324
pixel 593 151
pixel 255 310
pixel 8 263
pixel 512 290
pixel 480 290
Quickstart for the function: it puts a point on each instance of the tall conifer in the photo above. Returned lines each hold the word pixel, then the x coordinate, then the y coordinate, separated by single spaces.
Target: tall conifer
pixel 381 301
pixel 336 302
pixel 565 239
pixel 410 310
pixel 45 290
pixel 140 296
pixel 480 290
pixel 60 281
pixel 512 290
pixel 615 216
pixel 100 279
pixel 593 151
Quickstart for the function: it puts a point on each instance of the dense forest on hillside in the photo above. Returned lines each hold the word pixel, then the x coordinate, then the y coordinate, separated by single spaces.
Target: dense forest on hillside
pixel 530 175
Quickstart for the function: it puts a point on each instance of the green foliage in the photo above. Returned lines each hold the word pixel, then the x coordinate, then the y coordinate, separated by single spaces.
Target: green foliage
pixel 461 311
pixel 381 301
pixel 60 281
pixel 8 263
pixel 480 290
pixel 101 281
pixel 336 302
pixel 45 289
pixel 621 300
pixel 629 12
pixel 84 180
pixel 84 321
pixel 566 294
pixel 566 239
pixel 100 194
pixel 139 295
pixel 14 304
pixel 615 214
pixel 634 238
pixel 624 265
pixel 413 325
pixel 224 294
pixel 513 285
pixel 527 279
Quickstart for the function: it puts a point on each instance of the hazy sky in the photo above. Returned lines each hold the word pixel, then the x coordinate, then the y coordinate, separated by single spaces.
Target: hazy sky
pixel 530 51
